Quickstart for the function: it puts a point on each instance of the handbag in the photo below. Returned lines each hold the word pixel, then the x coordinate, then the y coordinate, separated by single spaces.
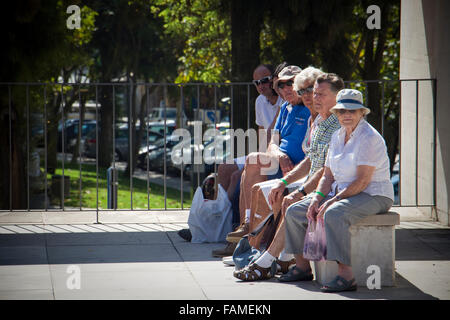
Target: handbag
pixel 210 220
pixel 315 245
pixel 244 254
pixel 262 235
pixel 263 227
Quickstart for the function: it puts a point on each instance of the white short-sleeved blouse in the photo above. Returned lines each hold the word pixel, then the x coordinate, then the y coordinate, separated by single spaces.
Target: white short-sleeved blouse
pixel 365 147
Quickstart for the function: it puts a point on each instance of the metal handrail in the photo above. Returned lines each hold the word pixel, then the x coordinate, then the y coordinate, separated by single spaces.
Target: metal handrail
pixel 181 87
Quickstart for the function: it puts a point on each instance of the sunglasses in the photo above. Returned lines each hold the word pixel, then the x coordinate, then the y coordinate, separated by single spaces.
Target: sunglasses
pixel 262 81
pixel 306 90
pixel 287 83
pixel 344 111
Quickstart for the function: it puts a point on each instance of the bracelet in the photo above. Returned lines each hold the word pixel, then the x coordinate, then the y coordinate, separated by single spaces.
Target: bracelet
pixel 284 181
pixel 302 191
pixel 320 194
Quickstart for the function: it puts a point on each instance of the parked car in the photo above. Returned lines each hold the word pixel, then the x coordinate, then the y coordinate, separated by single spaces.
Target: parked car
pixel 158 126
pixel 121 142
pixel 209 155
pixel 395 178
pixel 157 114
pixel 71 127
pixel 155 154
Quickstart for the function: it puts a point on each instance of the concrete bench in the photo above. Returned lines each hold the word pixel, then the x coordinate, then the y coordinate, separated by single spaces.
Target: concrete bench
pixel 372 243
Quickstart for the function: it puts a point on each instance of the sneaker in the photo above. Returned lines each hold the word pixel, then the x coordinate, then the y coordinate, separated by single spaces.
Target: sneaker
pixel 185 234
pixel 228 261
pixel 227 251
pixel 237 235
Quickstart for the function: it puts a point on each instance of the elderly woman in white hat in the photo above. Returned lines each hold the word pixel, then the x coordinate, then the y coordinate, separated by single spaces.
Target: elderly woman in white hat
pixel 355 184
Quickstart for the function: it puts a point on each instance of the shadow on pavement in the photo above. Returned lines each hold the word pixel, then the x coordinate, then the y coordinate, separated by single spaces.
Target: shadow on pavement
pixel 101 247
pixel 422 244
pixel 403 290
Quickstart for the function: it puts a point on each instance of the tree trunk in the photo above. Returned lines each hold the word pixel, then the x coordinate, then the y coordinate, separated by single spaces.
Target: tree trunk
pixel 76 149
pixel 105 152
pixel 13 171
pixel 131 163
pixel 246 24
pixel 52 132
pixel 373 61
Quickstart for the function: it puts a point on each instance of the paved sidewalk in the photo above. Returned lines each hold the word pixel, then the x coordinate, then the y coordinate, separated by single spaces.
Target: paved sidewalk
pixel 138 255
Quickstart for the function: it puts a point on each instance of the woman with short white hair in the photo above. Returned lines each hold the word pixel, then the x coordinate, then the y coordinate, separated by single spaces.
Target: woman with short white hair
pixel 308 75
pixel 355 184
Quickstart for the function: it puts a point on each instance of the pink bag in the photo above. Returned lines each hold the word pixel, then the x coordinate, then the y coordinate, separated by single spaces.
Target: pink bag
pixel 315 246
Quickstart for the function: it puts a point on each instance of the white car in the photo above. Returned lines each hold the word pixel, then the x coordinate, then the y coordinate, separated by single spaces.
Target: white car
pixel 157 114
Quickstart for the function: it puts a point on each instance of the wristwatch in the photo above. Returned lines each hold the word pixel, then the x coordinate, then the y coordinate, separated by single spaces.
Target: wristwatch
pixel 302 191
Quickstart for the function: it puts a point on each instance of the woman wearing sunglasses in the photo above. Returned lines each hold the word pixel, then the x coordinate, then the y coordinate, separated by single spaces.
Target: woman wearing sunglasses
pixel 355 184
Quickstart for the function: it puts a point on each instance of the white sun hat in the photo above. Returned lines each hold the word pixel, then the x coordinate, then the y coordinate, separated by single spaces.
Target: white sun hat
pixel 350 99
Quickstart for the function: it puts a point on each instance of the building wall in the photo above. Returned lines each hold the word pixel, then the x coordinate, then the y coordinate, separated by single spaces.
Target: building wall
pixel 425 53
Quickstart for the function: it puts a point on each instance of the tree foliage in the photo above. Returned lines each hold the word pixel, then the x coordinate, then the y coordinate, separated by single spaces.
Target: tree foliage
pixel 185 41
pixel 200 33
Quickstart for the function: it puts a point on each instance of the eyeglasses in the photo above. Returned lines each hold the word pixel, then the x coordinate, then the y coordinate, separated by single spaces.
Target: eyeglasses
pixel 344 111
pixel 287 83
pixel 262 81
pixel 306 90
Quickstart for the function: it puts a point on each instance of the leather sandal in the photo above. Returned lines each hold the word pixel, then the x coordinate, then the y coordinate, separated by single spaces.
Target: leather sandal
pixel 284 265
pixel 296 274
pixel 249 274
pixel 339 284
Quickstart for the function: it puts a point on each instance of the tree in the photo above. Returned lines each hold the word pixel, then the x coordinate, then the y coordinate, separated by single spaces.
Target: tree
pixel 200 35
pixel 128 44
pixel 36 48
pixel 376 53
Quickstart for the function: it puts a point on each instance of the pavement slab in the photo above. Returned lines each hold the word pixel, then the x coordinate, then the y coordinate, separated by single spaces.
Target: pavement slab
pixel 137 258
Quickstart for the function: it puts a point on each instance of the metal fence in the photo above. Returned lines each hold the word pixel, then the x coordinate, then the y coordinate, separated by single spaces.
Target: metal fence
pixel 33 110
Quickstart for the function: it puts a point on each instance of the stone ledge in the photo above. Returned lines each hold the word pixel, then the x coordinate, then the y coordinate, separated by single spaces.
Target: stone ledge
pixel 383 219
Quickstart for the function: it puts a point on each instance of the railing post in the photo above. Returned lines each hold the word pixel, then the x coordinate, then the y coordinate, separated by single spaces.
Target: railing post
pixel 45 148
pixel 130 139
pixel 10 148
pixel 147 129
pixel 111 182
pixel 28 146
pixel 417 142
pixel 182 164
pixel 96 148
pixel 62 145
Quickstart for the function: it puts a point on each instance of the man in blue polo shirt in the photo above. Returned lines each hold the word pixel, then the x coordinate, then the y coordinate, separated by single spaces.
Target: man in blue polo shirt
pixel 284 150
pixel 291 125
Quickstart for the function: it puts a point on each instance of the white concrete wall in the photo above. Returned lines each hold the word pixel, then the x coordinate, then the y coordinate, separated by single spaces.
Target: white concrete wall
pixel 424 53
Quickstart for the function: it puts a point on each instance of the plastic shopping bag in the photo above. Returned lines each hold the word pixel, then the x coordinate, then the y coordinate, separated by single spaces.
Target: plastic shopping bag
pixel 210 220
pixel 315 245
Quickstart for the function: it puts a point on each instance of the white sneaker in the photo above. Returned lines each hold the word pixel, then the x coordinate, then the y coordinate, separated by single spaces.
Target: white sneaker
pixel 228 261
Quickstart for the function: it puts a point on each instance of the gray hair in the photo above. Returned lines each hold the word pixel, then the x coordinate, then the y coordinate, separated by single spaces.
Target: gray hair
pixel 309 74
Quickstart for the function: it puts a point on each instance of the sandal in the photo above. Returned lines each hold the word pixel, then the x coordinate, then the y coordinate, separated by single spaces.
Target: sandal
pixel 249 274
pixel 283 266
pixel 339 284
pixel 296 274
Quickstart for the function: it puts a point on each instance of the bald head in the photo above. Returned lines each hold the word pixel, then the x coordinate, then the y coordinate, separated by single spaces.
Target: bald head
pixel 261 72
